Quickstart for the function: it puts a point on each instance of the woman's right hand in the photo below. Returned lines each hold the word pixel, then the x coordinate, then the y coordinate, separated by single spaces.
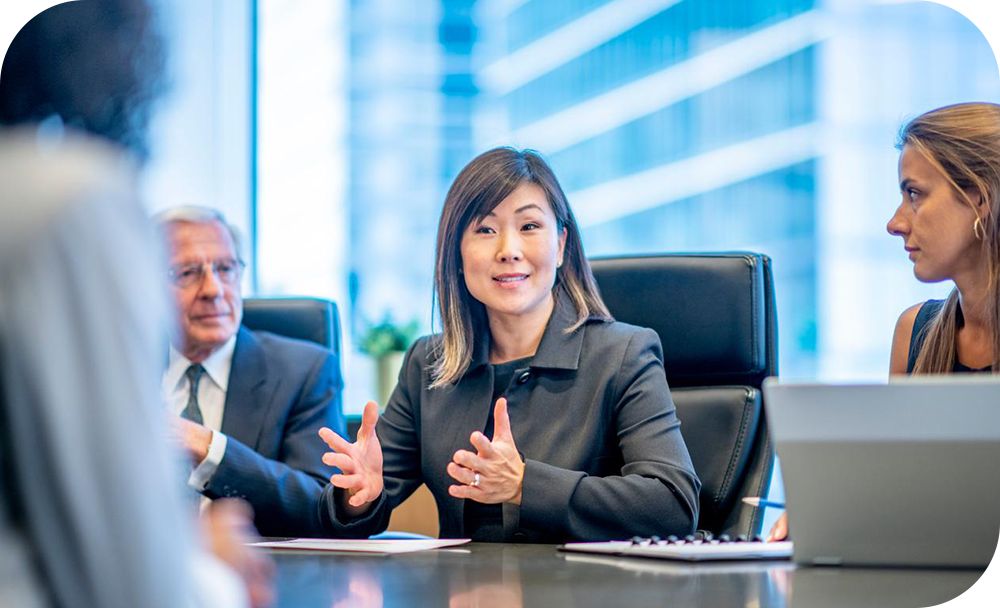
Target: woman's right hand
pixel 780 529
pixel 360 463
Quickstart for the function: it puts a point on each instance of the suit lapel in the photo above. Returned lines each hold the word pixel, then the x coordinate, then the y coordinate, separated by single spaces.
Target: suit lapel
pixel 246 409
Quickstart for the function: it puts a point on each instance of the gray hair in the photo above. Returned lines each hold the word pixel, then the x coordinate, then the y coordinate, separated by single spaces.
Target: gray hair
pixel 194 214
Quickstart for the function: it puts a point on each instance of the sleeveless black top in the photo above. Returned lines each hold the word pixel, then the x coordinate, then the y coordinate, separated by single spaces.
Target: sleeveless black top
pixel 927 312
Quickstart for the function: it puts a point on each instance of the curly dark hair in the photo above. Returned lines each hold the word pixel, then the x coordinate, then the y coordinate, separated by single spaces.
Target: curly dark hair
pixel 96 64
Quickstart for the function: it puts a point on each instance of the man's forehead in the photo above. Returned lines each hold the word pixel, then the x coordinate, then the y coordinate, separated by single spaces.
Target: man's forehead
pixel 199 238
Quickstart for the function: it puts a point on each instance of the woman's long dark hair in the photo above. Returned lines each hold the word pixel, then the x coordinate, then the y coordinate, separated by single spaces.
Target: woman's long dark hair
pixel 482 185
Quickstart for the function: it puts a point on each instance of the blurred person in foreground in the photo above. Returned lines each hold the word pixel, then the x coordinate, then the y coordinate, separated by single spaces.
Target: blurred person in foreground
pixel 949 220
pixel 249 402
pixel 90 513
pixel 534 416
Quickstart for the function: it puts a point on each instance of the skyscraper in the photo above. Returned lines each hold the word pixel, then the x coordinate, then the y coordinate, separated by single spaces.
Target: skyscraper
pixel 699 125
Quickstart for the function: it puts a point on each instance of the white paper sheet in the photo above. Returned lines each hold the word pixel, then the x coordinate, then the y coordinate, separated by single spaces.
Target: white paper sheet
pixel 379 547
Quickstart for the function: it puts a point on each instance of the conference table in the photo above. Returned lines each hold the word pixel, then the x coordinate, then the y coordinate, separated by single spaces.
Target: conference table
pixel 515 575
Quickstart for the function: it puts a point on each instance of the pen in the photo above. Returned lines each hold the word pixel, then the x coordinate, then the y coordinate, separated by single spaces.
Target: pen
pixel 756 501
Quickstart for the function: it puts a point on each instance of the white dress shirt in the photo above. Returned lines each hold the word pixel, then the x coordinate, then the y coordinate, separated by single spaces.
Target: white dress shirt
pixel 211 400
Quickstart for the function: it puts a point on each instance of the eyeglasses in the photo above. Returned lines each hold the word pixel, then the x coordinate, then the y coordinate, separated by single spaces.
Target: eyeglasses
pixel 185 275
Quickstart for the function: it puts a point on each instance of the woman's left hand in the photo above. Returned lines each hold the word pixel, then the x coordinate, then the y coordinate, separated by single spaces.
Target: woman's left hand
pixel 495 472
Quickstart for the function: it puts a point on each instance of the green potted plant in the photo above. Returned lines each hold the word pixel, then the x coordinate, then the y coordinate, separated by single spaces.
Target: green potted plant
pixel 386 342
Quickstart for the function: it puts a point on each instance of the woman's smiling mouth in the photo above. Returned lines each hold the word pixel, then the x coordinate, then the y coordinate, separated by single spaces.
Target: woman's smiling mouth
pixel 510 279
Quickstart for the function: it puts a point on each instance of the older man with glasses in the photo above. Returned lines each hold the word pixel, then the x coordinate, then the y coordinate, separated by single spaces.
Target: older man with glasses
pixel 250 404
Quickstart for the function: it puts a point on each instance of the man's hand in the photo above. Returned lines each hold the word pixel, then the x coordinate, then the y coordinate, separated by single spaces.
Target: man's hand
pixel 193 438
pixel 227 527
pixel 495 473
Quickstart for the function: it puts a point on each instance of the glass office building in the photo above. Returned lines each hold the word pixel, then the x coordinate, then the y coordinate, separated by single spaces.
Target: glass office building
pixel 704 125
pixel 674 125
pixel 399 151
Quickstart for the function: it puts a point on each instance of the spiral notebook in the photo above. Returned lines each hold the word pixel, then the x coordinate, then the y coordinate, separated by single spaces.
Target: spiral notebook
pixel 691 551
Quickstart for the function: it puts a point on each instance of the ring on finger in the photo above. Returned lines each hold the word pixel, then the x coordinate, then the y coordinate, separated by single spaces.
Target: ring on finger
pixel 475 481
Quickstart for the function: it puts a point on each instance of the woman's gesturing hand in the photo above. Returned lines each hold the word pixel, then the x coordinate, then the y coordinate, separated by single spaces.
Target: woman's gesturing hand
pixel 360 463
pixel 495 472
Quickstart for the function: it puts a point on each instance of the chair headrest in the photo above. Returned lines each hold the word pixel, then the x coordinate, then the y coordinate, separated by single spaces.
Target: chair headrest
pixel 714 312
pixel 311 319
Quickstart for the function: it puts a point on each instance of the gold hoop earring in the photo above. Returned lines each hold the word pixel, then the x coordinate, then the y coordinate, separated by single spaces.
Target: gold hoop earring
pixel 978 229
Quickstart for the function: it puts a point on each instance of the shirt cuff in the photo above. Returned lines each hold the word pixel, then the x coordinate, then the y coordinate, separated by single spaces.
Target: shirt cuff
pixel 202 474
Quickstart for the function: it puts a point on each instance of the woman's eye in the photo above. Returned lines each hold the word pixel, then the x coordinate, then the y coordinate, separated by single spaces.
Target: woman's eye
pixel 530 226
pixel 484 230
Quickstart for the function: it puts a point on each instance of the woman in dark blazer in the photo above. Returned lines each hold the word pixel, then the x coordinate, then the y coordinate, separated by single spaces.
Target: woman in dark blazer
pixel 533 416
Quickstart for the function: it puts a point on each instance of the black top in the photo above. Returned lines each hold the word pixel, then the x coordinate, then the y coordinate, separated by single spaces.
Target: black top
pixel 484 522
pixel 928 311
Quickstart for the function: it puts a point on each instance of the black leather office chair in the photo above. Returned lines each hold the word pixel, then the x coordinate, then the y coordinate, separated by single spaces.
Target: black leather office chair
pixel 309 319
pixel 715 315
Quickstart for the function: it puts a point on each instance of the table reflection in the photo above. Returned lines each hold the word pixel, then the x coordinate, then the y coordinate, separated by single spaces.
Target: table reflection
pixel 516 576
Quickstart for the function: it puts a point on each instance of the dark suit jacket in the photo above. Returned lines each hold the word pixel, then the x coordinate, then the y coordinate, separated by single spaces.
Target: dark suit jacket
pixel 281 391
pixel 592 417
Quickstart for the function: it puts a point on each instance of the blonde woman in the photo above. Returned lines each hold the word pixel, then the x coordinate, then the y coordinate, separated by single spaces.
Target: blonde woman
pixel 533 416
pixel 949 175
pixel 949 178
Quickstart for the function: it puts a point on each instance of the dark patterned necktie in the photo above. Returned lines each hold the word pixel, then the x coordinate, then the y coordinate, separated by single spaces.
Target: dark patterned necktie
pixel 192 411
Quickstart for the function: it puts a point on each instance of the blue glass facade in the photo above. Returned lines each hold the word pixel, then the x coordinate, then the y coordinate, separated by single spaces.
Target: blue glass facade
pixel 536 18
pixel 413 96
pixel 776 97
pixel 804 132
pixel 785 149
pixel 804 129
pixel 678 33
pixel 457 34
pixel 774 212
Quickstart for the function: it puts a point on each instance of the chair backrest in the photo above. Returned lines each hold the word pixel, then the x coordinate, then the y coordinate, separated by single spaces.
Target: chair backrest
pixel 310 319
pixel 715 315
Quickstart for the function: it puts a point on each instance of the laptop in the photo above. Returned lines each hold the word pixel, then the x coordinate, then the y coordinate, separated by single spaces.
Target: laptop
pixel 899 474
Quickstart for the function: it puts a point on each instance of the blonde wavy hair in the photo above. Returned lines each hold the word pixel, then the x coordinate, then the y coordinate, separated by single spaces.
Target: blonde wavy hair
pixel 963 142
pixel 482 185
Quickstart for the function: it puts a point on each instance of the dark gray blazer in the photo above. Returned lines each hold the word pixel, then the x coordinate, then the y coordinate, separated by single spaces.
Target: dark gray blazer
pixel 281 391
pixel 592 417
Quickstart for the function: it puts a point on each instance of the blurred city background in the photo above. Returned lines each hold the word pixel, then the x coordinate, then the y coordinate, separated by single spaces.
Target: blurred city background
pixel 329 131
